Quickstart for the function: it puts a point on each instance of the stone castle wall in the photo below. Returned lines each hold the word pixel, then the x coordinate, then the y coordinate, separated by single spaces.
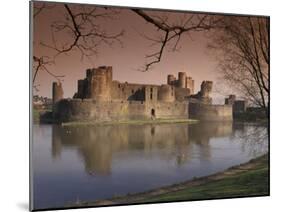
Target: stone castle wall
pixel 87 109
pixel 140 92
pixel 99 98
pixel 208 112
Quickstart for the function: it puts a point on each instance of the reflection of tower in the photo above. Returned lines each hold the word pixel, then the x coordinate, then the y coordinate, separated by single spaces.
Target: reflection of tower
pixel 95 149
pixel 201 134
pixel 97 145
pixel 91 144
pixel 97 158
pixel 152 130
pixel 56 141
pixel 183 147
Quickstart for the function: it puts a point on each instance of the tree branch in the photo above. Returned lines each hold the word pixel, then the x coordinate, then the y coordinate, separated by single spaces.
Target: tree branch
pixel 172 33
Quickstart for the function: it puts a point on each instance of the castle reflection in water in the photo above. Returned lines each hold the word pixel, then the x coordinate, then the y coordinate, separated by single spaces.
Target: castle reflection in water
pixel 97 145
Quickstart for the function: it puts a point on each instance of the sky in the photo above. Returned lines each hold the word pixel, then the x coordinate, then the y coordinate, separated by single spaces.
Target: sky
pixel 193 57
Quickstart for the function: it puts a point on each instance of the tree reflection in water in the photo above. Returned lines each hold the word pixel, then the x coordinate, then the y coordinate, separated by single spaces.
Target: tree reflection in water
pixel 253 137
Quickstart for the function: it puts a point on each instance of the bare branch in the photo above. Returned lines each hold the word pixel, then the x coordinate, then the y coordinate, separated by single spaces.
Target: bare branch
pixel 241 49
pixel 39 63
pixel 38 8
pixel 172 32
pixel 85 34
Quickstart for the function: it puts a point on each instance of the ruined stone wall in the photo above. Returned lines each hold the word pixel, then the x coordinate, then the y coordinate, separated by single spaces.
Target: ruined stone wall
pixel 239 106
pixel 151 93
pixel 230 99
pixel 127 91
pixel 181 93
pixel 99 86
pixel 206 88
pixel 139 92
pixel 190 84
pixel 169 110
pixel 87 109
pixel 210 112
pixel 203 95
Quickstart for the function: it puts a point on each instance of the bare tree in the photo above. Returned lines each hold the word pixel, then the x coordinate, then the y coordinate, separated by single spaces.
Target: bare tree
pixel 40 63
pixel 38 8
pixel 78 30
pixel 172 32
pixel 241 45
pixel 84 33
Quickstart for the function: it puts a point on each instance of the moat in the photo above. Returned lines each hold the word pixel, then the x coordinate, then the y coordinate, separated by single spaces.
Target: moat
pixel 88 163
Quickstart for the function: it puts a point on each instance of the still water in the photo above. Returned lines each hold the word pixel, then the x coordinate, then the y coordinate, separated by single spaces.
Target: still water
pixel 95 162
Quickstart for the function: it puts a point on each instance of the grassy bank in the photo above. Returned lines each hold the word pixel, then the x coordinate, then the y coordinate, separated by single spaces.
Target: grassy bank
pixel 249 179
pixel 236 182
pixel 135 122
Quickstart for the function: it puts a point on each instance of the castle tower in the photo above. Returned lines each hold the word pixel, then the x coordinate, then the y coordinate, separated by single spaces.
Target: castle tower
pixel 206 88
pixel 190 84
pixel 166 93
pixel 57 92
pixel 99 83
pixel 182 79
pixel 81 91
pixel 171 79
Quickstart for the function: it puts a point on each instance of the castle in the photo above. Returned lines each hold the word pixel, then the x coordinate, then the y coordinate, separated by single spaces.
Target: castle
pixel 100 98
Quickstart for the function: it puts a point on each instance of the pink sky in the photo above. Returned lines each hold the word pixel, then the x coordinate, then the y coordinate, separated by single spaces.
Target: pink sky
pixel 193 57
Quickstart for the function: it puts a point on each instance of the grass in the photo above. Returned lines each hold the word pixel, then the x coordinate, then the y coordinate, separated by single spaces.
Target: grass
pixel 253 182
pixel 135 122
pixel 249 179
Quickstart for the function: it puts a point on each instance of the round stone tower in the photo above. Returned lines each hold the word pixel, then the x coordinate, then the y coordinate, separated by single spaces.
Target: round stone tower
pixel 100 83
pixel 182 79
pixel 166 93
pixel 57 92
pixel 171 79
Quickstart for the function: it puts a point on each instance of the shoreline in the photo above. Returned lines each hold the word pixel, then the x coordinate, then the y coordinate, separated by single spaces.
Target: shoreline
pixel 195 187
pixel 132 122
